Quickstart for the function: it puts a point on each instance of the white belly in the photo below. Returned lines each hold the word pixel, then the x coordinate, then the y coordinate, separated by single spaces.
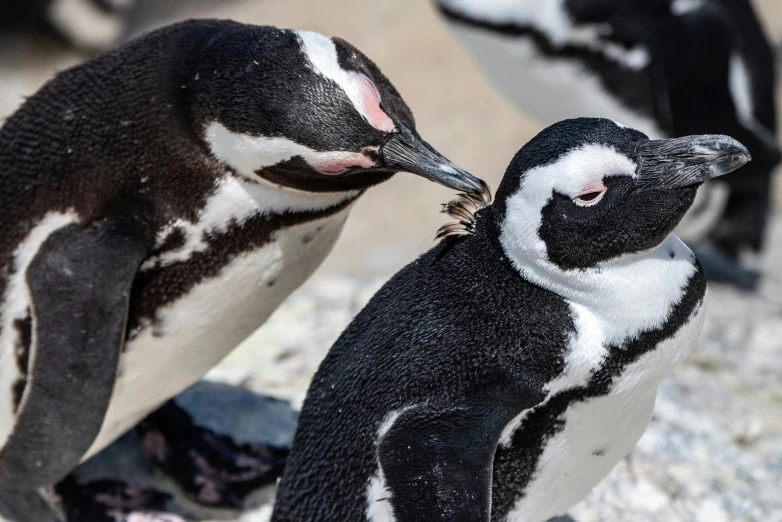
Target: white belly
pixel 601 431
pixel 197 331
pixel 548 90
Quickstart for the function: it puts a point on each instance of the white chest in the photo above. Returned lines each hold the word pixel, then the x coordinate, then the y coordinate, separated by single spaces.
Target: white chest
pixel 600 431
pixel 198 330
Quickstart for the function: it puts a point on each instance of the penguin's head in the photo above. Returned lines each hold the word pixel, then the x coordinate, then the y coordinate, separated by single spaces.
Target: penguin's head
pixel 589 190
pixel 309 112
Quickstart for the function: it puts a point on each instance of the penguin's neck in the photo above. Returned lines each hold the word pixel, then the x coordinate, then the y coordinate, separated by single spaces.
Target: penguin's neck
pixel 627 295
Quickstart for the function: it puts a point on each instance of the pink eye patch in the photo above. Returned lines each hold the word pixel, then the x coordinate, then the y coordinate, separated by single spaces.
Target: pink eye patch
pixel 369 99
pixel 590 194
pixel 340 163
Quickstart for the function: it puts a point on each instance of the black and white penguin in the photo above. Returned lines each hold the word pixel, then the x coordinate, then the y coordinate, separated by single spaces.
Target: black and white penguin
pixel 505 372
pixel 666 67
pixel 88 25
pixel 158 203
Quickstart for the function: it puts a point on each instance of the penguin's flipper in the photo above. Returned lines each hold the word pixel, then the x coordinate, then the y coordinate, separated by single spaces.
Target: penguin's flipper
pixel 438 462
pixel 79 283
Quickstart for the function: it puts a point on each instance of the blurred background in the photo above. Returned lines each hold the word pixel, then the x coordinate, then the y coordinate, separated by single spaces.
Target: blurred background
pixel 714 450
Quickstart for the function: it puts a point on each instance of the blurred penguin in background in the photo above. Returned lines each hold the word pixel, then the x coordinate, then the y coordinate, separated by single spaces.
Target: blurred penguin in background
pixel 88 25
pixel 667 67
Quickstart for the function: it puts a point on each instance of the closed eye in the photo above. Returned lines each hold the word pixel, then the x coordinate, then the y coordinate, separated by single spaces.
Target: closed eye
pixel 586 199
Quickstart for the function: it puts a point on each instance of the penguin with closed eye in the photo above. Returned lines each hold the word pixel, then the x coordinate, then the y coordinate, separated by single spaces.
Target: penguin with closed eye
pixel 158 203
pixel 666 67
pixel 506 371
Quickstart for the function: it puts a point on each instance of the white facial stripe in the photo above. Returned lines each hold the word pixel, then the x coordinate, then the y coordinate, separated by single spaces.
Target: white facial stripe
pixel 551 18
pixel 248 154
pixel 638 287
pixel 322 55
pixel 576 170
pixel 16 302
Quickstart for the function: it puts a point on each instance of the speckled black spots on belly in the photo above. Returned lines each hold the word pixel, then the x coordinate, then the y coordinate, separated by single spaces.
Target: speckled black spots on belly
pixel 515 465
pixel 175 240
pixel 23 329
pixel 159 286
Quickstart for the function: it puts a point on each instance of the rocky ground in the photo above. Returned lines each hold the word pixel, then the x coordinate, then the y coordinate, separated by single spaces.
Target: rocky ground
pixel 713 452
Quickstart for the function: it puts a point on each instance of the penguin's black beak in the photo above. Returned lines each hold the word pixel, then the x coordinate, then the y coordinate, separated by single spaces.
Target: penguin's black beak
pixel 406 151
pixel 682 162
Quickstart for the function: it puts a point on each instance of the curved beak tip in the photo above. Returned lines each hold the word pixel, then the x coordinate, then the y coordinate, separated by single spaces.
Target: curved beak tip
pixel 465 182
pixel 681 162
pixel 741 152
pixel 738 156
pixel 406 151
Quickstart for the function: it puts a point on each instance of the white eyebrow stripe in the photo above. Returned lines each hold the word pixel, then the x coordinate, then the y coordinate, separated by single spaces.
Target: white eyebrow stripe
pixel 321 52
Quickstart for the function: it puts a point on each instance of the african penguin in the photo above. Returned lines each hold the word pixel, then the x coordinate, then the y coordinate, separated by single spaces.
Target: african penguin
pixel 666 67
pixel 158 203
pixel 88 25
pixel 505 372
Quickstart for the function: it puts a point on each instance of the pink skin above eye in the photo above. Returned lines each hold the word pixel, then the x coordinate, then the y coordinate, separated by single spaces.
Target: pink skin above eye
pixel 370 103
pixel 589 190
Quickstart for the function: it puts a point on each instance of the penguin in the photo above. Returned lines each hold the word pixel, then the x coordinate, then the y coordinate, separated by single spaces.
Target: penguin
pixel 158 203
pixel 666 67
pixel 505 372
pixel 87 25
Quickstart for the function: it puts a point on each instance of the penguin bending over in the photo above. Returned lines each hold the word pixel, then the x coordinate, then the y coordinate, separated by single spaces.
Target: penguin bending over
pixel 666 67
pixel 504 373
pixel 158 203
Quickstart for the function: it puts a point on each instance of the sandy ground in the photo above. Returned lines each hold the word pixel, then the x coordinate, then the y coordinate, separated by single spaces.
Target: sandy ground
pixel 714 451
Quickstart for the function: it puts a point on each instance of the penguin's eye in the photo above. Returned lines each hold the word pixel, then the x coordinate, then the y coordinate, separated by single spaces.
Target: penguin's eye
pixel 590 195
